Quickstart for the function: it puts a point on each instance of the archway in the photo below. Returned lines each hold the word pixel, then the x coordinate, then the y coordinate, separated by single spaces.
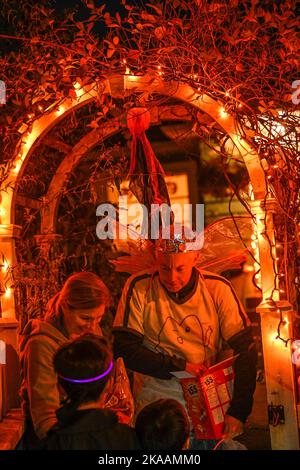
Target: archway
pixel 279 368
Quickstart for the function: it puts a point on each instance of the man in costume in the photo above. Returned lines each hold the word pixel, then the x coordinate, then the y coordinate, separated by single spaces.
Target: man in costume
pixel 176 318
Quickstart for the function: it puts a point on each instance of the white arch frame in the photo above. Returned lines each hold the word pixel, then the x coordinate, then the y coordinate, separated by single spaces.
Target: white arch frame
pixel 278 364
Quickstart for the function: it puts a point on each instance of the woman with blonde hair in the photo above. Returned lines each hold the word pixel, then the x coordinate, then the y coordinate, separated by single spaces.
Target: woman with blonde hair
pixel 76 309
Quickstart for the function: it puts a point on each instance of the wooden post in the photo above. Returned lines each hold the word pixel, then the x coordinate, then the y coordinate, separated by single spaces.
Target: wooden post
pixel 8 322
pixel 279 368
pixel 8 233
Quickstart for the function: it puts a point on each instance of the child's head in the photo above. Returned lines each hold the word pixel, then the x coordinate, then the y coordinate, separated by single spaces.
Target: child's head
pixel 83 367
pixel 163 425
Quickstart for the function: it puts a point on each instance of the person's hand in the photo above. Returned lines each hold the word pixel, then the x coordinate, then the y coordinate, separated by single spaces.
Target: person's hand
pixel 233 427
pixel 195 369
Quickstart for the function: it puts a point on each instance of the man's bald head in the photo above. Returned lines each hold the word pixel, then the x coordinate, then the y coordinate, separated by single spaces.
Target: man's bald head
pixel 175 269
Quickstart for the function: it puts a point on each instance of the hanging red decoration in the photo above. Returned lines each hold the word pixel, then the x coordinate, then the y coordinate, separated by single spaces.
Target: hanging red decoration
pixel 146 173
pixel 138 121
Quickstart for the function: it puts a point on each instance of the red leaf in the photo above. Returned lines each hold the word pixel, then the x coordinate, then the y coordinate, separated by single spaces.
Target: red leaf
pixel 110 52
pixel 158 10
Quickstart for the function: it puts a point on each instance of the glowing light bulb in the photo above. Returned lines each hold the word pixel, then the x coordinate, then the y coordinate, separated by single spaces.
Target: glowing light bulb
pixel 248 268
pixel 77 86
pixel 273 337
pixel 17 167
pixel 253 245
pixel 223 113
pixel 5 265
pixel 7 292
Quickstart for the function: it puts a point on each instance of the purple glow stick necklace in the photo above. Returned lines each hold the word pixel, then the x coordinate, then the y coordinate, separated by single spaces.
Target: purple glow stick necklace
pixel 93 379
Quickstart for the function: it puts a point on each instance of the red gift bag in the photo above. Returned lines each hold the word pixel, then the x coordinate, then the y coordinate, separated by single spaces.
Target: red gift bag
pixel 208 398
pixel 117 394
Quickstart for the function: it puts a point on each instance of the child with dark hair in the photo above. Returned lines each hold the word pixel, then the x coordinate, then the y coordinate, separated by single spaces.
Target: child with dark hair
pixel 83 367
pixel 163 425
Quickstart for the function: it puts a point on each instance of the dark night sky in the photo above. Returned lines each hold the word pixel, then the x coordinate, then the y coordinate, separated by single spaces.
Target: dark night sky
pixel 111 5
pixel 60 6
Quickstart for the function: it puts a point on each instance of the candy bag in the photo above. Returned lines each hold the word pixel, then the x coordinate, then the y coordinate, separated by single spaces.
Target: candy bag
pixel 117 394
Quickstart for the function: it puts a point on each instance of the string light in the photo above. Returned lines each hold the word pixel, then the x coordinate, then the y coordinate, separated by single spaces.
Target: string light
pixel 255 248
pixel 77 86
pixel 5 265
pixel 248 268
pixel 17 166
pixel 223 113
pixel 7 293
pixel 273 337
